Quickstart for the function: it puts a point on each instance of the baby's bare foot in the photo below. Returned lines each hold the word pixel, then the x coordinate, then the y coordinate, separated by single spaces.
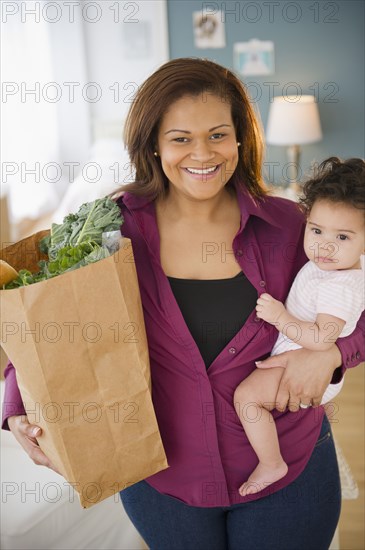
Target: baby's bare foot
pixel 262 477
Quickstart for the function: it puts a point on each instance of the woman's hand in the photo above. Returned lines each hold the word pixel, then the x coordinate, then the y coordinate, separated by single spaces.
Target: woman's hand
pixel 305 377
pixel 23 432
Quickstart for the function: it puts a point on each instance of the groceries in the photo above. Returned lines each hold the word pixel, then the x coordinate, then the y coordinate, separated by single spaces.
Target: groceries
pixel 78 343
pixel 7 273
pixel 77 242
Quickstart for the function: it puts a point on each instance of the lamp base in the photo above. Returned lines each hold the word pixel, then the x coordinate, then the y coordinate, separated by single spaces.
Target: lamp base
pixel 293 154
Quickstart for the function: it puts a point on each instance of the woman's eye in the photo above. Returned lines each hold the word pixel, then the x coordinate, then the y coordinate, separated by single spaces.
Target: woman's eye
pixel 180 139
pixel 316 231
pixel 343 237
pixel 217 136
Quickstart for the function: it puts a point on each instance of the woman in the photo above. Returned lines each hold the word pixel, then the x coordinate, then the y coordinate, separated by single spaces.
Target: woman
pixel 207 241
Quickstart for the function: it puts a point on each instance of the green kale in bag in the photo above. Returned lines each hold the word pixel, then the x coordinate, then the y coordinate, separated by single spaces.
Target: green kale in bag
pixel 87 225
pixel 74 243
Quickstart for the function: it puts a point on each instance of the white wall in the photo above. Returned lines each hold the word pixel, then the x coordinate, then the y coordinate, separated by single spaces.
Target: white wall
pixel 96 53
pixel 123 47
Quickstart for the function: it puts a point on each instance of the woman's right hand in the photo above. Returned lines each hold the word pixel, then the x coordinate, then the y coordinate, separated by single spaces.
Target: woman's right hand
pixel 23 433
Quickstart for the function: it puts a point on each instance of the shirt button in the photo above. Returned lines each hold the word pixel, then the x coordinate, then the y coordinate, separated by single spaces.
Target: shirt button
pixel 232 350
pixel 239 253
pixel 358 355
pixel 262 283
pixel 257 319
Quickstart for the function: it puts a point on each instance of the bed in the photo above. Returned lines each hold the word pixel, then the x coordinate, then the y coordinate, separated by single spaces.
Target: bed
pixel 39 509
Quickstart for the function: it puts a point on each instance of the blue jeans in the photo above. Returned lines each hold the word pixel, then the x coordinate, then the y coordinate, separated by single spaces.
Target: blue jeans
pixel 302 516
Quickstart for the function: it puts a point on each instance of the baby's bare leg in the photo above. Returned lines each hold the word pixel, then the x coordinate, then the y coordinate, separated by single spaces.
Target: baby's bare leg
pixel 260 389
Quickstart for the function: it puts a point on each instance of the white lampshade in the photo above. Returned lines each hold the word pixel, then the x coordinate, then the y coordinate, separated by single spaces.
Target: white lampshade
pixel 293 121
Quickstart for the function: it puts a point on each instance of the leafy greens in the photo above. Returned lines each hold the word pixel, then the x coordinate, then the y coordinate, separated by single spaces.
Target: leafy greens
pixel 88 225
pixel 76 242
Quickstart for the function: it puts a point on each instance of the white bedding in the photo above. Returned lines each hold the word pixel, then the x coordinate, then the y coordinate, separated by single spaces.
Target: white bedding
pixel 39 509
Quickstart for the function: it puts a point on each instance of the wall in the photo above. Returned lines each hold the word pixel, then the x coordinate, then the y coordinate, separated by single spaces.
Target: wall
pixel 124 46
pixel 318 45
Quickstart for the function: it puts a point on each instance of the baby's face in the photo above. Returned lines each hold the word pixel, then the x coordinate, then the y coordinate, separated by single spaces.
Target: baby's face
pixel 335 235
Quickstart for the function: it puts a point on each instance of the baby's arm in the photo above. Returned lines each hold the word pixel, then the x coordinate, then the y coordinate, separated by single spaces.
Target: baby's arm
pixel 319 335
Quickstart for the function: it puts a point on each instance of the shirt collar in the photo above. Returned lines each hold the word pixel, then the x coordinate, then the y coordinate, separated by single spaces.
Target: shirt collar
pixel 133 202
pixel 263 208
pixel 249 206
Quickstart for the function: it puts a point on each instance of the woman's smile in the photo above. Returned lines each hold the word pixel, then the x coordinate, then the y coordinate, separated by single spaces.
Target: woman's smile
pixel 203 174
pixel 197 145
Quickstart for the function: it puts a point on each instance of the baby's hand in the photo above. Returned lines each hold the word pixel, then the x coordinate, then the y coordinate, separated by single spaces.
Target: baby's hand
pixel 269 309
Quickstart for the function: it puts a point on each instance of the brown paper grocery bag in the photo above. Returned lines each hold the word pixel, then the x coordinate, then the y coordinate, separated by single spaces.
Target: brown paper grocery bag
pixel 79 346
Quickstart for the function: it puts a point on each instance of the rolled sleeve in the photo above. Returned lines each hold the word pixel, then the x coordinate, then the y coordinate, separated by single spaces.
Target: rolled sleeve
pixel 352 347
pixel 12 404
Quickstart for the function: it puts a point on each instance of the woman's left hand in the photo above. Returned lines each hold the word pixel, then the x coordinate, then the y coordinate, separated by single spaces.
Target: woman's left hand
pixel 305 377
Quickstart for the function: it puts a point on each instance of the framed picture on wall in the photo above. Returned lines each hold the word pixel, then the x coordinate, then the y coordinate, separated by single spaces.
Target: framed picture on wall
pixel 255 57
pixel 209 31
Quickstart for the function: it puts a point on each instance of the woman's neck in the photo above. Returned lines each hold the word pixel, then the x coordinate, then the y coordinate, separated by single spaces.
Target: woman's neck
pixel 183 208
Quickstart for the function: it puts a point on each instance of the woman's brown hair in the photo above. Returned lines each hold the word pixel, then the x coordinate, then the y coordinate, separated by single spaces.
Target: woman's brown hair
pixel 172 81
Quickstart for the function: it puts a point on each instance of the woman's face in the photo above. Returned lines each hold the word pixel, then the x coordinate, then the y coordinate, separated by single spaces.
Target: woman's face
pixel 197 145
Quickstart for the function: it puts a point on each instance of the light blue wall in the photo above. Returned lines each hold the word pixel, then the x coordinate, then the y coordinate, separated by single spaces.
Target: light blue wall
pixel 324 46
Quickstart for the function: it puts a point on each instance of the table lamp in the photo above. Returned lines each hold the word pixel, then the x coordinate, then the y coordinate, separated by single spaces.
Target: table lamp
pixel 293 121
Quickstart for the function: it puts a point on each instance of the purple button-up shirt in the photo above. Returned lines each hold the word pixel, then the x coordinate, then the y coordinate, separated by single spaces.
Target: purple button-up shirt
pixel 208 452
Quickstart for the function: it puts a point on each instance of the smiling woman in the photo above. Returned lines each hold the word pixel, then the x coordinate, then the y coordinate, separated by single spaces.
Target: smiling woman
pixel 207 241
pixel 199 109
pixel 192 151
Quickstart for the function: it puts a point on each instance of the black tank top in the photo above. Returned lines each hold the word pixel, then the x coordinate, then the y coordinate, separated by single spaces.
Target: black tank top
pixel 214 310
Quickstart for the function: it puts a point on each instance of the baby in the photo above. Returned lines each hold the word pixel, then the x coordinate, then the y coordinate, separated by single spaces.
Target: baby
pixel 324 302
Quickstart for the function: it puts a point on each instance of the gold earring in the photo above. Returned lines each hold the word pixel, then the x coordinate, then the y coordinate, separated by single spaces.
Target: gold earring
pixel 156 154
pixel 238 143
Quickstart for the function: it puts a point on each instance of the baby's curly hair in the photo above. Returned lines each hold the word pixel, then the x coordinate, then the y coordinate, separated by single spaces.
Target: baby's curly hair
pixel 336 181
